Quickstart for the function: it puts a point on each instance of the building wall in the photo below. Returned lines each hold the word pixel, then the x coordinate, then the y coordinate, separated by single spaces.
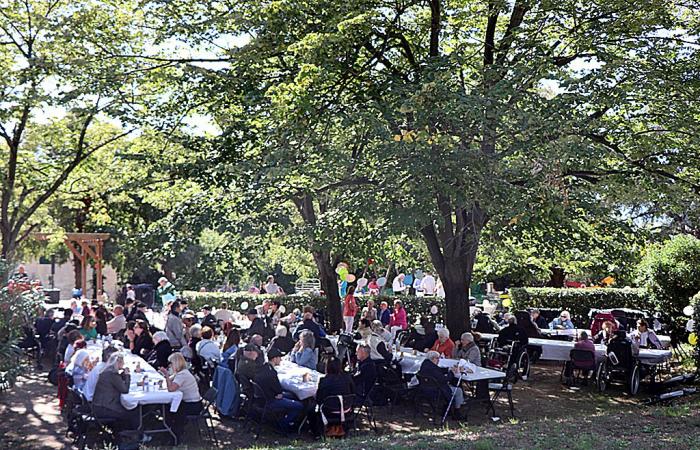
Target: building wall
pixel 64 278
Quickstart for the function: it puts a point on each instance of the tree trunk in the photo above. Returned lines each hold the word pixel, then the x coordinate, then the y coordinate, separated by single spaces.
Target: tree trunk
pixel 557 277
pixel 329 284
pixel 456 284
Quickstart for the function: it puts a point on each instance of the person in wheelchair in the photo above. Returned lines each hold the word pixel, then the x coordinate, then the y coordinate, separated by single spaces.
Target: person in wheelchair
pixel 512 333
pixel 621 363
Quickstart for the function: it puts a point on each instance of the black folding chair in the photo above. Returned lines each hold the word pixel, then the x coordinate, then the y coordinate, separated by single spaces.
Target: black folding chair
pixel 205 416
pixel 338 410
pixel 429 393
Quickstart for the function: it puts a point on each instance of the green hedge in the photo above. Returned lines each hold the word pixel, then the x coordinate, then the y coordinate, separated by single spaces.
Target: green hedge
pixel 415 306
pixel 695 301
pixel 579 301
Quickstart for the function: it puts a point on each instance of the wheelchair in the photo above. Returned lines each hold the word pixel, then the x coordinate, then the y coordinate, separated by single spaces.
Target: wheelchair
pixel 511 358
pixel 619 366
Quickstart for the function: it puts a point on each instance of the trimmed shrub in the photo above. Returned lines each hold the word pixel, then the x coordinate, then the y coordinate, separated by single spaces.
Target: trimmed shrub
pixel 580 301
pixel 695 302
pixel 671 273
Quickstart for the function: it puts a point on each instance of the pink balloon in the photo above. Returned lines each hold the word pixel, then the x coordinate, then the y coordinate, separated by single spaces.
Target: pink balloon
pixel 350 278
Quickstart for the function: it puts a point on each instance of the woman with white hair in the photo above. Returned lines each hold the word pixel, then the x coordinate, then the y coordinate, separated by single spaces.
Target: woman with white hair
pixel 114 381
pixel 282 341
pixel 303 352
pixel 443 344
pixel 563 322
pixel 380 331
pixel 467 349
pixel 158 357
pixel 80 366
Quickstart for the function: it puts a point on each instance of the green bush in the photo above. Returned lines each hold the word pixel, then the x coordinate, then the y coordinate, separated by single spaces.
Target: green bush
pixel 579 301
pixel 415 306
pixel 671 273
pixel 695 301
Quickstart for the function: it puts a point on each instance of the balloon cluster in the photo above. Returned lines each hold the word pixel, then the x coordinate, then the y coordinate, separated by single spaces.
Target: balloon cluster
pixel 344 273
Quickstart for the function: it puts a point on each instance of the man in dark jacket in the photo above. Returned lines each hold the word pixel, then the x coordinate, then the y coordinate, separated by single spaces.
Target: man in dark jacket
pixel 443 377
pixel 269 382
pixel 247 367
pixel 309 324
pixel 257 325
pixel 365 373
pixel 209 319
pixel 537 318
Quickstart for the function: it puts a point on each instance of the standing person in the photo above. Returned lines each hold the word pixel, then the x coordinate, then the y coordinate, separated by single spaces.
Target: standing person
pixel 223 315
pixel 181 379
pixel 174 327
pixel 165 293
pixel 349 309
pixel 271 287
pixel 130 293
pixel 397 285
pixel 428 283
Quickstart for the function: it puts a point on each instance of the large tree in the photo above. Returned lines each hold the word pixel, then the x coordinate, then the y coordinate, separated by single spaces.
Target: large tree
pixel 57 83
pixel 438 116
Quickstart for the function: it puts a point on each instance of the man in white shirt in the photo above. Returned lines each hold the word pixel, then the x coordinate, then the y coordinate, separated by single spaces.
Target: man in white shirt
pixel 428 284
pixel 91 382
pixel 397 285
pixel 223 315
pixel 118 323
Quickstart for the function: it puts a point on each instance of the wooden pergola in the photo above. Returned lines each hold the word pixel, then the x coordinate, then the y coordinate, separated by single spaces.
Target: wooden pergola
pixel 84 246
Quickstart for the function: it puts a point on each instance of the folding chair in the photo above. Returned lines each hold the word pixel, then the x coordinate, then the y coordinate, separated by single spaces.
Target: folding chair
pixel 338 410
pixel 205 415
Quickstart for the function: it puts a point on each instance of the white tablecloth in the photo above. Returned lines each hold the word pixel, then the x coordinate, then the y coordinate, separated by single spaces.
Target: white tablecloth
pixel 136 395
pixel 291 378
pixel 665 340
pixel 411 363
pixel 553 350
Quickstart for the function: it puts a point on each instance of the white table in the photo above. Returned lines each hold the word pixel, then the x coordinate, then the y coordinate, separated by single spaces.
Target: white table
pixel 410 364
pixel 664 340
pixel 291 378
pixel 136 395
pixel 554 350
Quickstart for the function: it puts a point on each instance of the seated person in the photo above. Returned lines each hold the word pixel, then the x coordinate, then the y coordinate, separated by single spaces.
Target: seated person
pixel 335 382
pixel 209 320
pixel 512 333
pixel 80 367
pixel 605 334
pixel 88 328
pixel 304 353
pixel 269 382
pixel 71 338
pixel 467 350
pixel 379 330
pixel 644 337
pixel 379 353
pixel 538 320
pixel 181 379
pixel 365 373
pixel 483 323
pixel 247 368
pixel 365 324
pixel 231 346
pixel 563 322
pixel 620 341
pixel 443 344
pixel 282 341
pixel 118 322
pixel 93 376
pixel 208 349
pixel 114 381
pixel 308 323
pixel 257 325
pixel 444 378
pixel 158 357
pixel 140 339
pixel 583 343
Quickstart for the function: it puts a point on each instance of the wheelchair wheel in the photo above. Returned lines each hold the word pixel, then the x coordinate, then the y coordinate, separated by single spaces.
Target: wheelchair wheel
pixel 601 376
pixel 633 384
pixel 524 366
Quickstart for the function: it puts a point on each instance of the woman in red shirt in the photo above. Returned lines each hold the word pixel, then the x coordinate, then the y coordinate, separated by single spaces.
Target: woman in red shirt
pixel 443 344
pixel 349 309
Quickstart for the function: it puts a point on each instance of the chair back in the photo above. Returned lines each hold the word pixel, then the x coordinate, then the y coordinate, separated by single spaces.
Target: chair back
pixel 210 396
pixel 337 408
pixel 623 354
pixel 401 337
pixel 582 358
pixel 326 347
pixel 599 319
pixel 259 393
